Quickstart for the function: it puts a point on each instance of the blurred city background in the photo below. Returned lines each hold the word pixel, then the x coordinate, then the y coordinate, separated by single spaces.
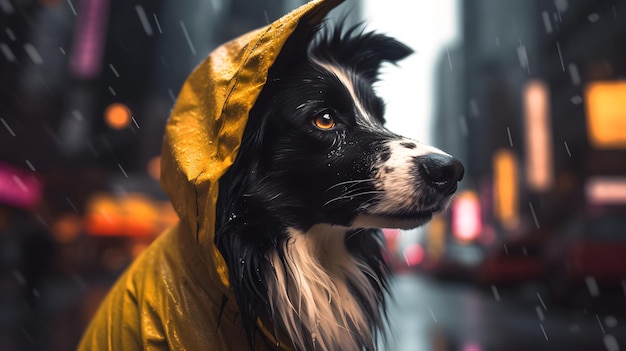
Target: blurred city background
pixel 529 94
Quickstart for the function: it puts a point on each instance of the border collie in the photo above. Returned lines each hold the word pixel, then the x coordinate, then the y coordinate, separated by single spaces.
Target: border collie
pixel 316 175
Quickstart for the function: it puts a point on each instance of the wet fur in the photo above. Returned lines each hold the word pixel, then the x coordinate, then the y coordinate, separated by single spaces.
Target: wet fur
pixel 291 209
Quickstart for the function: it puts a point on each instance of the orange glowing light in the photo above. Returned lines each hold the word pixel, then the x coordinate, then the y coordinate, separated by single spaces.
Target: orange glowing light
pixel 66 228
pixel 605 104
pixel 505 188
pixel 539 173
pixel 131 214
pixel 117 116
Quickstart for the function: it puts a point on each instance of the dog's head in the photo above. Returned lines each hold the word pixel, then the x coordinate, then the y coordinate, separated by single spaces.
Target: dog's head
pixel 319 145
pixel 315 164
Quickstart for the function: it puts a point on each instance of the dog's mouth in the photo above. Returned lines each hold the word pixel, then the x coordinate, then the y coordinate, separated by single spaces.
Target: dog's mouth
pixel 400 220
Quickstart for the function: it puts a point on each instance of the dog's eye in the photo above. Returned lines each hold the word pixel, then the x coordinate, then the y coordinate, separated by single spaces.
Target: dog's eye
pixel 324 121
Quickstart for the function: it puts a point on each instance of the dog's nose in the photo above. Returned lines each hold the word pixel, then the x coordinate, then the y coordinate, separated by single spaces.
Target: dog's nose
pixel 441 172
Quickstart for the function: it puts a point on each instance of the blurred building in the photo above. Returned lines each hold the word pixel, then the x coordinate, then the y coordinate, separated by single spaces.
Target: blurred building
pixel 531 102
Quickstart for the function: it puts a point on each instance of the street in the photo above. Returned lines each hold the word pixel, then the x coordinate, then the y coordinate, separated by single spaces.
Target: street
pixel 436 315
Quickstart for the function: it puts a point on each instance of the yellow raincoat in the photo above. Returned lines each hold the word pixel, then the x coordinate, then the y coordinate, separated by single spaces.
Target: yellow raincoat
pixel 172 296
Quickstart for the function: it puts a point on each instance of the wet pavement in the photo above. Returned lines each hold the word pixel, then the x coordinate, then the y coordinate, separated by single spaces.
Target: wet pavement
pixel 428 315
pixel 431 314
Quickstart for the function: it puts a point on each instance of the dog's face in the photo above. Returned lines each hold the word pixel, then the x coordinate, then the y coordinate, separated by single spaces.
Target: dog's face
pixel 325 155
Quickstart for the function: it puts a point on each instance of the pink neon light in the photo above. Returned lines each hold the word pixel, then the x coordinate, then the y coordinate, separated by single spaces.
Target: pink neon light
pixel 413 255
pixel 466 217
pixel 18 187
pixel 86 59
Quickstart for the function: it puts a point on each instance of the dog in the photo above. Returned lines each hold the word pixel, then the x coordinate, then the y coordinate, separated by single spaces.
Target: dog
pixel 317 174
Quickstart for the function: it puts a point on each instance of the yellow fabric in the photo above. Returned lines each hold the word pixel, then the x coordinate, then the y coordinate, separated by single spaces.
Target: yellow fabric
pixel 171 297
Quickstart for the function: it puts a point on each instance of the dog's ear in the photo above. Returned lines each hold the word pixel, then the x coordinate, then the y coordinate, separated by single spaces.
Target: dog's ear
pixel 363 51
pixel 295 49
pixel 374 48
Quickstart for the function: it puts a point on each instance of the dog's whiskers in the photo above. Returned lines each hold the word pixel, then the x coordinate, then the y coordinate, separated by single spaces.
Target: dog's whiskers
pixel 350 196
pixel 352 182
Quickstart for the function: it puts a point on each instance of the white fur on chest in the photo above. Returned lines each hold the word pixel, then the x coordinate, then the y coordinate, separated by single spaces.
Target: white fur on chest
pixel 313 287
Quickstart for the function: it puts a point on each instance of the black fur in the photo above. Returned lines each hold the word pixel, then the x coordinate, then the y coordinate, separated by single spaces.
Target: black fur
pixel 291 174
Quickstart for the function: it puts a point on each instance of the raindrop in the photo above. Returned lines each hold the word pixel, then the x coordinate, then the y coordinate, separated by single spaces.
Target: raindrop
pixel 20 183
pixel 69 2
pixel 532 210
pixel 10 34
pixel 576 99
pixel 449 60
pixel 19 277
pixel 6 125
pixel 182 25
pixel 6 7
pixel 592 286
pixel 114 70
pixel 30 165
pixel 112 91
pixel 141 13
pixel 546 21
pixel 542 303
pixel 558 48
pixel 432 314
pixel 567 149
pixel 611 343
pixel 71 204
pixel 594 17
pixel 544 332
pixel 170 92
pixel 610 321
pixel 522 55
pixel 156 21
pixel 508 131
pixel 600 324
pixel 135 122
pixel 33 53
pixel 62 50
pixel 122 169
pixel 574 328
pixel 78 115
pixel 36 293
pixel 574 74
pixel 496 295
pixel 540 313
pixel 8 54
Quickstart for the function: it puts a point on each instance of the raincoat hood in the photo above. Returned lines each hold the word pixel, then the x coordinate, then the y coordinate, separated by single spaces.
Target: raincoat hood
pixel 176 294
pixel 205 129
